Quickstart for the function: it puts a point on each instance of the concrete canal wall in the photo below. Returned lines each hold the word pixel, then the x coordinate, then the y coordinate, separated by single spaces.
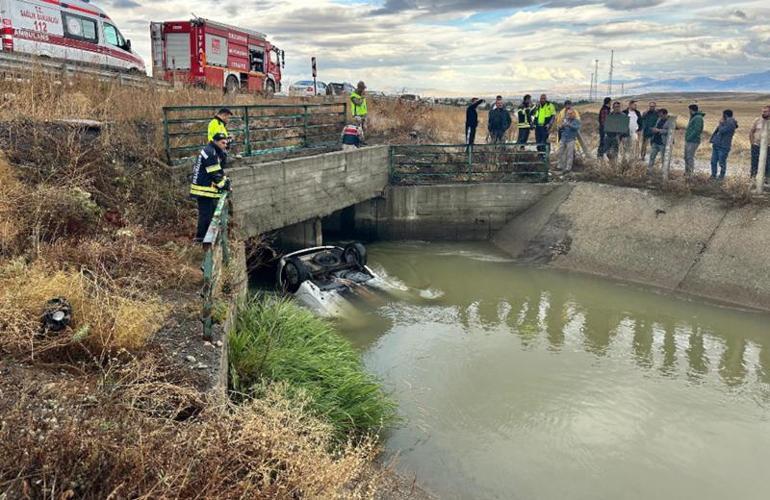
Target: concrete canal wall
pixel 454 212
pixel 695 245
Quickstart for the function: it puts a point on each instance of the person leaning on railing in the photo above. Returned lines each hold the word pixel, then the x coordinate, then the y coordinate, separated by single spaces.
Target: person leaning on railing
pixel 208 181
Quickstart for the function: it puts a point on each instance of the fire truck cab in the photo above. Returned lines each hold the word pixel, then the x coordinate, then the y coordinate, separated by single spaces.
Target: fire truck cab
pixel 214 54
pixel 71 30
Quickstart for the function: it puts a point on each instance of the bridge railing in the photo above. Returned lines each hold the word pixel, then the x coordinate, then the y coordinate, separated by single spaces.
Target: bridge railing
pixel 455 163
pixel 258 129
pixel 216 253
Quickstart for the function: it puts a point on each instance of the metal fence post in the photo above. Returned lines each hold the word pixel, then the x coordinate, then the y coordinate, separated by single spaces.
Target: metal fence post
pixel 246 137
pixel 470 159
pixel 223 232
pixel 208 292
pixel 764 143
pixel 668 154
pixel 304 126
pixel 166 139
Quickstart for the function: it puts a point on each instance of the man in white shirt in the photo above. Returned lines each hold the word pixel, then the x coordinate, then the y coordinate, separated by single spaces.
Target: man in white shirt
pixel 631 142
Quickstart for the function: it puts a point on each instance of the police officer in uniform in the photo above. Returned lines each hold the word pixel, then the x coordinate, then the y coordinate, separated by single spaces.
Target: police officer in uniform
pixel 208 181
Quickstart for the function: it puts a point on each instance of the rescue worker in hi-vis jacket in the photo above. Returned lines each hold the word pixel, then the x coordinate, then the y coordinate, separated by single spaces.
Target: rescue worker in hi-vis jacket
pixel 208 181
pixel 218 124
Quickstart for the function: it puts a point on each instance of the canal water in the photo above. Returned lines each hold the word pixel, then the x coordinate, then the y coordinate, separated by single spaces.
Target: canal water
pixel 524 383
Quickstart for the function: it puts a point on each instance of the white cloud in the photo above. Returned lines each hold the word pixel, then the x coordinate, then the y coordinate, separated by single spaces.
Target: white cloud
pixel 530 49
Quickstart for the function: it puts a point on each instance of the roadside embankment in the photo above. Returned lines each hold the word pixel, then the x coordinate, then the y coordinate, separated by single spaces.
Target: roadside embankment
pixel 696 245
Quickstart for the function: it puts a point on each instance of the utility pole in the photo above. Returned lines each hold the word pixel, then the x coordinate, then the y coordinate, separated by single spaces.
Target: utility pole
pixel 612 67
pixel 591 88
pixel 622 88
pixel 596 79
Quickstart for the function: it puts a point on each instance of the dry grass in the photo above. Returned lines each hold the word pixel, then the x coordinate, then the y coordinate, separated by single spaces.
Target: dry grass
pixel 137 434
pixel 400 121
pixel 104 318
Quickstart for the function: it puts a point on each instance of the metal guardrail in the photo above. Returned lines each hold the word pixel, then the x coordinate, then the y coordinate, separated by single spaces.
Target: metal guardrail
pixel 215 240
pixel 21 65
pixel 257 129
pixel 455 163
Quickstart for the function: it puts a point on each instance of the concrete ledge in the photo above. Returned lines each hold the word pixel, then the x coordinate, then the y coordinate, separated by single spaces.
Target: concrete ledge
pixel 460 212
pixel 269 196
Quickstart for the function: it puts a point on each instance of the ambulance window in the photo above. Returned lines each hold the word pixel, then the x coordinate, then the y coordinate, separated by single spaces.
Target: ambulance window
pixel 112 36
pixel 79 28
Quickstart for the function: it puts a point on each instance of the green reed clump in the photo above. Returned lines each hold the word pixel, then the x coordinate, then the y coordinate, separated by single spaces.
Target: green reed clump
pixel 277 341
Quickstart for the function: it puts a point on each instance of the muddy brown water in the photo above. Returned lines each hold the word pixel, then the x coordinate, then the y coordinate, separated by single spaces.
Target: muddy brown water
pixel 524 383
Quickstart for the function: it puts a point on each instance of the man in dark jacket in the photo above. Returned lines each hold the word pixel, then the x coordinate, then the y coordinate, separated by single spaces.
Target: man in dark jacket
pixel 649 120
pixel 208 181
pixel 603 113
pixel 658 140
pixel 721 143
pixel 471 122
pixel 692 137
pixel 499 121
pixel 524 118
pixel 613 137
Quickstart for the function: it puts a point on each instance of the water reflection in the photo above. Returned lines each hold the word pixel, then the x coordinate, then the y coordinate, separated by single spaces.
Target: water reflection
pixel 673 337
pixel 506 374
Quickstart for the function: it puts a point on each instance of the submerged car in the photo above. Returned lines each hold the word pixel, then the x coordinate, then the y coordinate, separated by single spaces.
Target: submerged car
pixel 327 279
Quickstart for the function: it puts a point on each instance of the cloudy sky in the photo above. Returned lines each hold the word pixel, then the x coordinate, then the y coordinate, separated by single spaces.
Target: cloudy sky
pixel 485 46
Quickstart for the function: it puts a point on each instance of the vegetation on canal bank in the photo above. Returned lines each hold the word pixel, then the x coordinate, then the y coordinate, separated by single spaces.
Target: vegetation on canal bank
pixel 277 341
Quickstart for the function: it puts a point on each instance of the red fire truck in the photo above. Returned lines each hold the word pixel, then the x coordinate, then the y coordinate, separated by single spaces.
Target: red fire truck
pixel 214 54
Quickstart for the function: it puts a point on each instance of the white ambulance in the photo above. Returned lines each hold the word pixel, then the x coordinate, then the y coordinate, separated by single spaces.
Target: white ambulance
pixel 71 30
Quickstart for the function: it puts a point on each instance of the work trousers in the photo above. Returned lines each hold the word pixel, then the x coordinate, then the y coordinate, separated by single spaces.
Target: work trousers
pixel 566 155
pixel 655 150
pixel 602 143
pixel 470 137
pixel 541 137
pixel 755 162
pixel 206 207
pixel 523 135
pixel 497 136
pixel 643 143
pixel 689 156
pixel 631 147
pixel 719 157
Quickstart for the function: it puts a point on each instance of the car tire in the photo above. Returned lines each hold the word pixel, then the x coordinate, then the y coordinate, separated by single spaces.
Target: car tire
pixel 293 274
pixel 355 253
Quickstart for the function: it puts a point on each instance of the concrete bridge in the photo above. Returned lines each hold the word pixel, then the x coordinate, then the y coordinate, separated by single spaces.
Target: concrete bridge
pixel 295 194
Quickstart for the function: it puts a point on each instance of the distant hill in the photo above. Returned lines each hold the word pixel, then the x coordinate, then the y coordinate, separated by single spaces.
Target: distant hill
pixel 754 82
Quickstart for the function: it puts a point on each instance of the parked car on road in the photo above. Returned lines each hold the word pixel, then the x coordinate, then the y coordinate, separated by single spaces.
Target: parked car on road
pixel 343 88
pixel 305 88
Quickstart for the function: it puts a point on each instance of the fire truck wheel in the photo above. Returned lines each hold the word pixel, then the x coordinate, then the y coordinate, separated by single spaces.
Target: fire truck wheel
pixel 231 85
pixel 270 88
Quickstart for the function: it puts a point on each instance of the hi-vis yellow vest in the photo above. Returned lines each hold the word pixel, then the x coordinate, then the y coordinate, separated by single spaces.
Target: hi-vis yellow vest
pixel 358 109
pixel 216 127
